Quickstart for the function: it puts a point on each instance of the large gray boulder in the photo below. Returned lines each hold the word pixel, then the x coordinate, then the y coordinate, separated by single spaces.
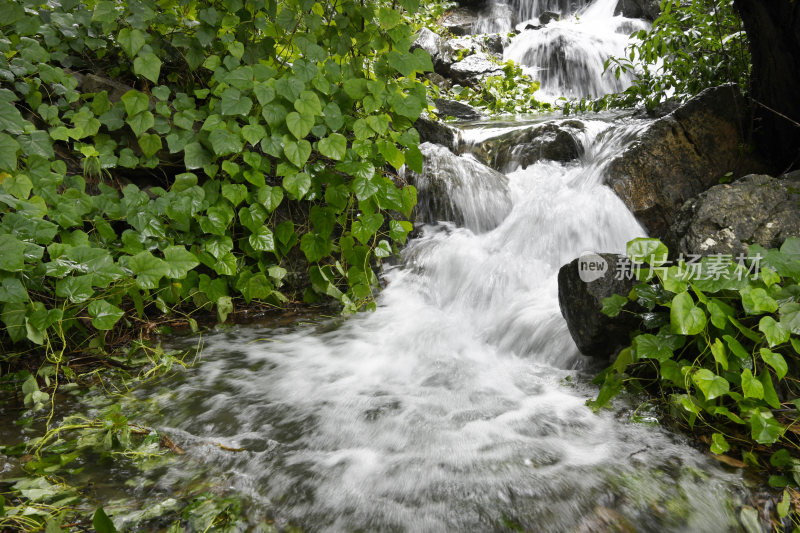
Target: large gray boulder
pixel 437 47
pixel 681 155
pixel 581 302
pixel 639 9
pixel 460 21
pixel 466 45
pixel 554 141
pixel 472 69
pixel 459 189
pixel 756 209
pixel 489 44
pixel 495 43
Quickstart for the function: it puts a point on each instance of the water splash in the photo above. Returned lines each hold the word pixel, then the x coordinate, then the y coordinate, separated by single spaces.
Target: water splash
pixel 459 189
pixel 568 56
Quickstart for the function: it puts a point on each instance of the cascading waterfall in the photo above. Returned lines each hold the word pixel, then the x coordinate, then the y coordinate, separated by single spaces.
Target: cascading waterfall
pixel 568 56
pixel 528 9
pixel 501 16
pixel 458 405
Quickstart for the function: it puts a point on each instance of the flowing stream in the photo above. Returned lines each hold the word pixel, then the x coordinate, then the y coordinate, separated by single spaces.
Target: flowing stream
pixel 568 55
pixel 459 405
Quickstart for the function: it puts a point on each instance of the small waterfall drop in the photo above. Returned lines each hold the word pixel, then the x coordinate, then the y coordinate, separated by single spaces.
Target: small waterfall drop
pixel 501 16
pixel 567 56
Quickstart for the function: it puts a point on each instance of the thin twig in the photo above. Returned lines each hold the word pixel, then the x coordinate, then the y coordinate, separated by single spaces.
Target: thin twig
pixel 796 124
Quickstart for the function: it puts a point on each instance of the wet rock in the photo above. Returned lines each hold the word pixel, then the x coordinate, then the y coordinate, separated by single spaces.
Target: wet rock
pixel 756 209
pixel 681 155
pixel 605 519
pixel 581 303
pixel 92 83
pixel 455 109
pixel 444 52
pixel 439 80
pixel 436 132
pixel 459 189
pixel 639 9
pixel 460 21
pixel 478 44
pixel 495 43
pixel 660 110
pixel 473 4
pixel 548 16
pixel 437 47
pixel 554 141
pixel 472 69
pixel 627 27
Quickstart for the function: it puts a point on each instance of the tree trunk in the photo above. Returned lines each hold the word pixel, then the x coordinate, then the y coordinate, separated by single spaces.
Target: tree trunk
pixel 773 27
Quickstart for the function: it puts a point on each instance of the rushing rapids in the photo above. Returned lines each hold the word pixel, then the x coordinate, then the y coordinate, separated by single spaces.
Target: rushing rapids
pixel 459 405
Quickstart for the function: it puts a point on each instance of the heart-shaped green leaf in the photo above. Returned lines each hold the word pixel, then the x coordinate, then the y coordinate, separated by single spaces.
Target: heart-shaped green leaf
pixel 297 184
pixel 297 152
pixel 712 385
pixel 333 146
pixel 104 315
pixel 299 124
pixel 685 317
pixel 179 262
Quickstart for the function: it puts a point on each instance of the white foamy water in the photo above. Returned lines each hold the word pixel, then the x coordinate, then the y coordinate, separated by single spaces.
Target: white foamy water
pixel 456 406
pixel 568 56
pixel 501 16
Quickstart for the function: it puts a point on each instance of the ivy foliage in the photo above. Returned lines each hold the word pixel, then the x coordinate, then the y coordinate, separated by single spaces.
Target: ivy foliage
pixel 692 45
pixel 177 155
pixel 512 92
pixel 721 340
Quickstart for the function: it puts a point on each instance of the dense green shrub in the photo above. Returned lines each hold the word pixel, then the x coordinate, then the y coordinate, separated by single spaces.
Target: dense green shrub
pixel 171 156
pixel 719 342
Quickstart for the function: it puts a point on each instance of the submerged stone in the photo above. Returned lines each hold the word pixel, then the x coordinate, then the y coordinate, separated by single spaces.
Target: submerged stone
pixel 549 16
